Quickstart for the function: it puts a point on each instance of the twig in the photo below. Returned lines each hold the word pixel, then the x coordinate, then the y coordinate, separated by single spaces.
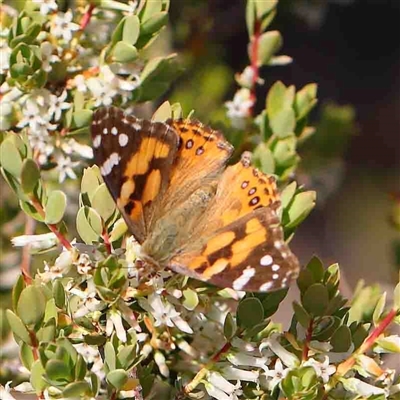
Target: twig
pixel 26 254
pixel 203 372
pixel 307 340
pixel 87 16
pixel 346 365
pixel 53 227
pixel 254 62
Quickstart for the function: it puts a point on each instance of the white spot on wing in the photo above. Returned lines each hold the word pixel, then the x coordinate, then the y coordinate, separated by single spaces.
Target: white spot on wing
pixel 105 131
pixel 266 286
pixel 266 260
pixel 109 164
pixel 123 139
pixel 114 130
pixel 137 126
pixel 276 267
pixel 97 141
pixel 243 279
pixel 275 276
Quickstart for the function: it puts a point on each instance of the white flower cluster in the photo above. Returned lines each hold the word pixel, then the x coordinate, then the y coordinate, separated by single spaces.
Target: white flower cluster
pixel 239 108
pixel 106 86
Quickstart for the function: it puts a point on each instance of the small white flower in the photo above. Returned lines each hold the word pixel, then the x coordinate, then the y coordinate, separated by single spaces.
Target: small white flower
pixel 323 370
pixel 80 83
pixel 48 58
pixel 161 364
pixel 361 388
pixel 164 313
pixel 245 79
pixel 239 108
pixel 24 387
pixel 231 373
pixel 239 359
pixel 5 392
pixel 277 374
pixel 46 6
pixel 288 358
pixel 5 52
pixel 36 242
pixel 62 26
pixel 58 105
pixel 90 303
pixel 73 147
pixel 221 389
pixel 114 322
pixel 65 168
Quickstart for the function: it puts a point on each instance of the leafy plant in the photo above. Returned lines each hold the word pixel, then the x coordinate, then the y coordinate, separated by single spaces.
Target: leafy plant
pixel 82 325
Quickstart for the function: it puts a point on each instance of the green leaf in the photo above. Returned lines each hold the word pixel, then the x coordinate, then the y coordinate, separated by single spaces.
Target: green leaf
pixel 154 24
pixel 263 8
pixel 341 339
pixel 263 159
pixel 31 305
pixel 76 389
pixel 117 378
pixel 81 118
pixel 126 356
pixel 124 52
pixel 163 112
pixel 103 203
pixel 58 370
pixel 380 306
pixel 302 205
pixel 109 356
pixel 317 268
pixel 91 179
pixel 117 34
pixel 190 299
pixel 288 194
pixel 48 332
pixel 131 29
pixel 26 355
pixel 151 8
pixel 250 312
pixel 230 326
pixel 302 315
pixel 28 209
pixel 17 327
pixel 283 123
pixel 59 293
pixel 316 299
pixel 80 368
pixel 30 175
pixel 37 377
pixel 269 44
pixel 10 158
pixel 305 100
pixel 119 229
pixel 89 224
pixel 250 16
pixel 19 286
pixel 396 296
pixel 55 207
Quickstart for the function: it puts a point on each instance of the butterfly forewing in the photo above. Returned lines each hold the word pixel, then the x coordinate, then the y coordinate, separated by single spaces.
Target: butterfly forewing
pixel 135 158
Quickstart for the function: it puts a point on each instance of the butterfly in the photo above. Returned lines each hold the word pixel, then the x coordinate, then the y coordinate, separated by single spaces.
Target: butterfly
pixel 186 208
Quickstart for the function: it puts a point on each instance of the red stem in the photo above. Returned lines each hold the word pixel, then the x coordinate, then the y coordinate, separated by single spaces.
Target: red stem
pixel 106 239
pixel 345 366
pixel 307 340
pixel 53 227
pixel 254 60
pixel 87 16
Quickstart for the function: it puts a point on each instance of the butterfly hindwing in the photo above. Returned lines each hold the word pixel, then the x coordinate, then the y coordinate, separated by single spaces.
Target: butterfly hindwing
pixel 135 158
pixel 248 254
pixel 241 242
